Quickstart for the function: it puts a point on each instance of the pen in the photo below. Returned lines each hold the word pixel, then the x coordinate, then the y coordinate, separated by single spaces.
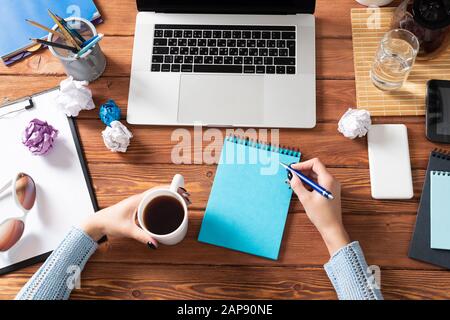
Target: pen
pixel 327 194
pixel 90 45
pixel 55 44
pixel 84 44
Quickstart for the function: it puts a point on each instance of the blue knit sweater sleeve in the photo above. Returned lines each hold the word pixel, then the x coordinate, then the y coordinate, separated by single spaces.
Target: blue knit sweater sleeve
pixel 350 275
pixel 55 280
pixel 60 273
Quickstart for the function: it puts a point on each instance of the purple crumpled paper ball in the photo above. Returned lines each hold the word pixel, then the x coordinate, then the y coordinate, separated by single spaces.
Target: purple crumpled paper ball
pixel 39 137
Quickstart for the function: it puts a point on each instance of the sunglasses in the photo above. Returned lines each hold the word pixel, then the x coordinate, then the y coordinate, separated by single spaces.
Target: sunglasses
pixel 24 194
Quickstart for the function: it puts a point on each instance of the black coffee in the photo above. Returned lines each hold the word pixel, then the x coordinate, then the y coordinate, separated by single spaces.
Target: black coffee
pixel 163 215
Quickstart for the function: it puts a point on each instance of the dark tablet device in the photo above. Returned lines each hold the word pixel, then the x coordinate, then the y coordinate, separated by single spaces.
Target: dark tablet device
pixel 438 111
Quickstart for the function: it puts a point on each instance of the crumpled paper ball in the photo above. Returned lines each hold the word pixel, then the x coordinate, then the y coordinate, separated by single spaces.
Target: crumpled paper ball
pixel 110 112
pixel 74 96
pixel 117 137
pixel 355 123
pixel 39 137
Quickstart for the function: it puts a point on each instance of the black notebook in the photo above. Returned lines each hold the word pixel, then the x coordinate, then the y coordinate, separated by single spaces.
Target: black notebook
pixel 420 247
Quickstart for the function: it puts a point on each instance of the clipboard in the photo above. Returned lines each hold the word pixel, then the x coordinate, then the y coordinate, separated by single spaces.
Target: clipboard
pixel 73 140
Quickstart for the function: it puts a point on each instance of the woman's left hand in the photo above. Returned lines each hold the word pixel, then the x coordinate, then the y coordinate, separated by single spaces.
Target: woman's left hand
pixel 118 220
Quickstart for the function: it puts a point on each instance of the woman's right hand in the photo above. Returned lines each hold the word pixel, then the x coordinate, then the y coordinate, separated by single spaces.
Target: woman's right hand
pixel 119 221
pixel 325 214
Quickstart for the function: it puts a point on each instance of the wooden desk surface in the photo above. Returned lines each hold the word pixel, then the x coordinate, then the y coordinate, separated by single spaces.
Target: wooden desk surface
pixel 124 269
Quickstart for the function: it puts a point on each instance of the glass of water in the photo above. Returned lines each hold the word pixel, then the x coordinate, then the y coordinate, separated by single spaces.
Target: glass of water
pixel 394 59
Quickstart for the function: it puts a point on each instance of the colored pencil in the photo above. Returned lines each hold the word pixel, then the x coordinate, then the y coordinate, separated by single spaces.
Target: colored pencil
pixel 72 31
pixel 36 24
pixel 64 31
pixel 55 44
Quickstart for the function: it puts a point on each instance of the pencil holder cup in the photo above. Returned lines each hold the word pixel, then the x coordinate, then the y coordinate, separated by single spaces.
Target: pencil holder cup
pixel 87 67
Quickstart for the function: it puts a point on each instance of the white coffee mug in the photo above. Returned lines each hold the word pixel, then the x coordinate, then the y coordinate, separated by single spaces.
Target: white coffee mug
pixel 180 233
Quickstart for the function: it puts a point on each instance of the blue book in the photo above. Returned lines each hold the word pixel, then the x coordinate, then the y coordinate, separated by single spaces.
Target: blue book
pixel 249 201
pixel 440 210
pixel 15 32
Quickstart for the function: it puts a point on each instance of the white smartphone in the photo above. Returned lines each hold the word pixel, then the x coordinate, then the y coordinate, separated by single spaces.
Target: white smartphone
pixel 390 165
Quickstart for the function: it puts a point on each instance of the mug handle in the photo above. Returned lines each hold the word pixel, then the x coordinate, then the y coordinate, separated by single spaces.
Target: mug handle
pixel 177 182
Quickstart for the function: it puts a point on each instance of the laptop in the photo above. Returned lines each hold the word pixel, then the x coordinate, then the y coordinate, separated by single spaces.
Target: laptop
pixel 242 63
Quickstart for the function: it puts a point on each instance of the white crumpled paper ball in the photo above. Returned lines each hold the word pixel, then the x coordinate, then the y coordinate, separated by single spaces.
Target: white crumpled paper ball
pixel 355 123
pixel 117 137
pixel 74 96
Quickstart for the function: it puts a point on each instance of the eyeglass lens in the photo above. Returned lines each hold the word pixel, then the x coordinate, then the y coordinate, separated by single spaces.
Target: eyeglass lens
pixel 25 189
pixel 12 229
pixel 10 232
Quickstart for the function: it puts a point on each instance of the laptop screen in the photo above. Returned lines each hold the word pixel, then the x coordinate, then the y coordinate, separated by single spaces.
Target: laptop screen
pixel 228 6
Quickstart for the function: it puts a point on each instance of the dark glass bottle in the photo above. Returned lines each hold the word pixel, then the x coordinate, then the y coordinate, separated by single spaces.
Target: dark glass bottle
pixel 429 20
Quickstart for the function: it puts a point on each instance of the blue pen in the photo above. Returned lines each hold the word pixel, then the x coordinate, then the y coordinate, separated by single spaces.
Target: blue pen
pixel 90 45
pixel 324 192
pixel 84 44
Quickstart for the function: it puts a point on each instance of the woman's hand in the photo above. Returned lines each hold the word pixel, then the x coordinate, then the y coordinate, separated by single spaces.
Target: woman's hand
pixel 118 221
pixel 325 214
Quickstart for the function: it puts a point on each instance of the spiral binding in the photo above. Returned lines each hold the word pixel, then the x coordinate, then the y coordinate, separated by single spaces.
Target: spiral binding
pixel 440 173
pixel 441 154
pixel 263 145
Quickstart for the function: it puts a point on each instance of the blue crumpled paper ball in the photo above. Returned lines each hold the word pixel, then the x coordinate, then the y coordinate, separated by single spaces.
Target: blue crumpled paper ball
pixel 110 112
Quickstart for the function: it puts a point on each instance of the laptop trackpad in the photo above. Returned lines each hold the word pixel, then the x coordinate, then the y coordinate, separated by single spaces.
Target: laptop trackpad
pixel 221 100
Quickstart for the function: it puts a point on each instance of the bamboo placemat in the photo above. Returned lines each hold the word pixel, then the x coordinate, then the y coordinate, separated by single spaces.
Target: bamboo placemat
pixel 368 27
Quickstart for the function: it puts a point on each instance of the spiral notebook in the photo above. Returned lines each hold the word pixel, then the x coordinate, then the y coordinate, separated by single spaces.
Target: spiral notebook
pixel 440 213
pixel 249 201
pixel 420 247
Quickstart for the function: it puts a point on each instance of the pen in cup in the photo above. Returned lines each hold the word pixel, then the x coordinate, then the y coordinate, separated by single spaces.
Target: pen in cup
pixel 324 192
pixel 91 43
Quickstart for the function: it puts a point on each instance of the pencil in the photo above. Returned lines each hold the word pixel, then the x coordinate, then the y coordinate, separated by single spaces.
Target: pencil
pixel 55 44
pixel 56 33
pixel 64 31
pixel 72 31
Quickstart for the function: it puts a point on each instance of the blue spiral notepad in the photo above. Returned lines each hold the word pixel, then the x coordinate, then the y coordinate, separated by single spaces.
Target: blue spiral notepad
pixel 439 210
pixel 249 201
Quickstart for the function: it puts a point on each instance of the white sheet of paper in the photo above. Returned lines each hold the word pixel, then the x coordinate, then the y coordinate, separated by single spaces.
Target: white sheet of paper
pixel 63 198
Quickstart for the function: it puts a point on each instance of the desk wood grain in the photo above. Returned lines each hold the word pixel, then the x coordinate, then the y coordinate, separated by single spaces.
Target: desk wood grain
pixel 123 269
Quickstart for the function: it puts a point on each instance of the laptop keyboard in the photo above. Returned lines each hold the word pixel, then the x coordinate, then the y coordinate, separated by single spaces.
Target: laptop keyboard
pixel 224 49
